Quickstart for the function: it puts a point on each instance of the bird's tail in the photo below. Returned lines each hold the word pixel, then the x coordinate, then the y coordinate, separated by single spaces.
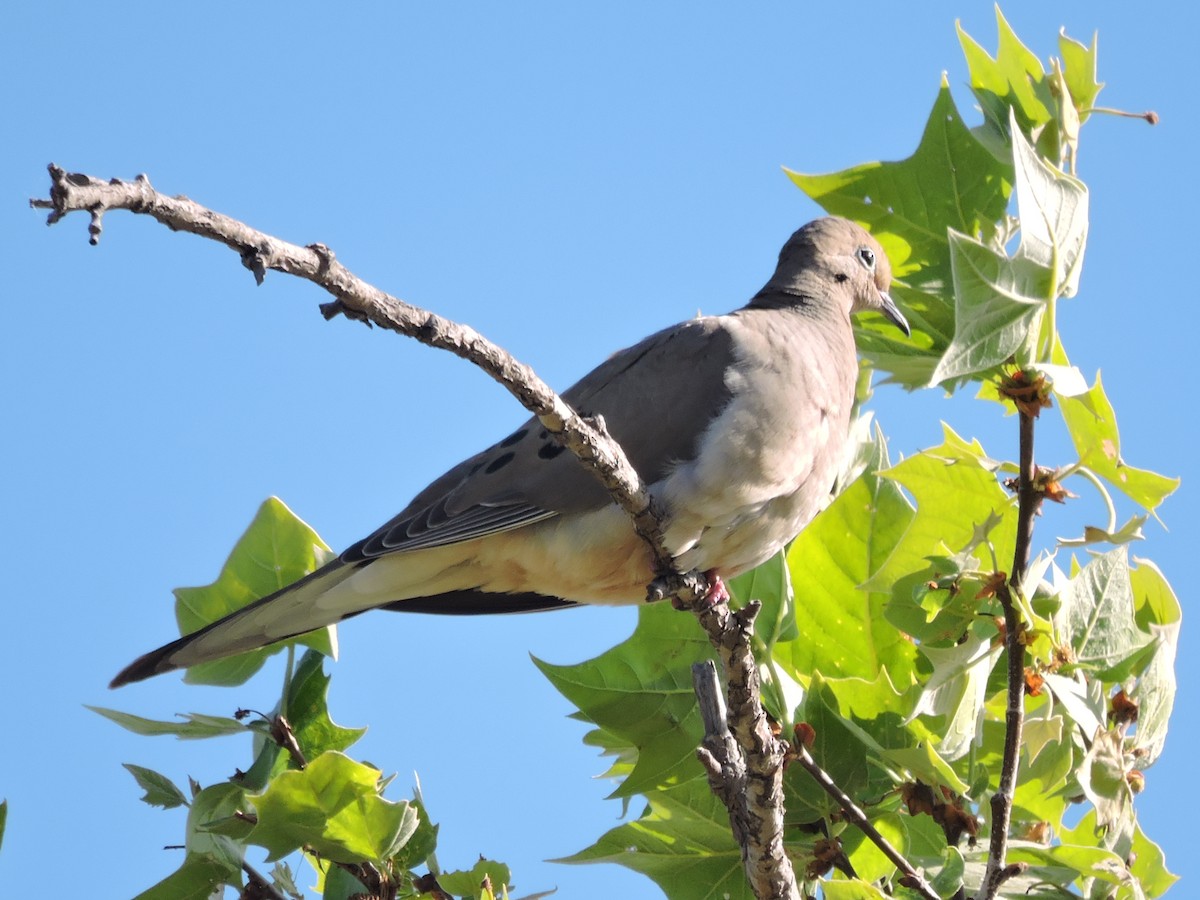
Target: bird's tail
pixel 288 612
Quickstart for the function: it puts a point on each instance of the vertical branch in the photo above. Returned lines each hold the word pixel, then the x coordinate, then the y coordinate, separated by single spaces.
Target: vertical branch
pixel 744 759
pixel 1028 500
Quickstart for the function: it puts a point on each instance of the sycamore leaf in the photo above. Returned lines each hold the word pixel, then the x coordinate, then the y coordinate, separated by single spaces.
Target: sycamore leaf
pixel 334 807
pixel 1053 207
pixel 1092 424
pixel 851 890
pixel 641 692
pixel 196 879
pixel 867 860
pixel 681 841
pixel 216 803
pixel 956 691
pixel 1079 72
pixel 951 182
pixel 1011 80
pixel 998 307
pixel 1084 703
pixel 275 550
pixel 160 790
pixel 1127 533
pixel 1096 616
pixel 1102 778
pixel 1073 859
pixel 193 726
pixel 836 748
pixel 308 712
pixel 956 493
pixel 466 883
pixel 841 630
pixel 1159 613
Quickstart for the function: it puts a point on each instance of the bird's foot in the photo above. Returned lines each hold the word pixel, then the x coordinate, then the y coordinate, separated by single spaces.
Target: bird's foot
pixel 716 594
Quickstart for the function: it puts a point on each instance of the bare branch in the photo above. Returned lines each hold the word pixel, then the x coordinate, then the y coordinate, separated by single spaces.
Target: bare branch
pixel 746 773
pixel 356 299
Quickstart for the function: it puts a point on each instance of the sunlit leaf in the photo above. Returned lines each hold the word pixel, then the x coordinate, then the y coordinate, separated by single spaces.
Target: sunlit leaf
pixel 334 807
pixel 275 550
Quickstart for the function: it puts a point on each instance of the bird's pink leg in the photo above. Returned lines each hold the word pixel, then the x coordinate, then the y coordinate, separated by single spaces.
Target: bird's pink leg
pixel 717 593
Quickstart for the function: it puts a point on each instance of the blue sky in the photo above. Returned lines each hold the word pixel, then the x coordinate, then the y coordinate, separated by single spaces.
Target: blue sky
pixel 566 179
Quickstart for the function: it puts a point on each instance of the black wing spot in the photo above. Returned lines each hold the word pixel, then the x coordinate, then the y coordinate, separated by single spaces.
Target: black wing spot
pixel 499 463
pixel 549 451
pixel 514 437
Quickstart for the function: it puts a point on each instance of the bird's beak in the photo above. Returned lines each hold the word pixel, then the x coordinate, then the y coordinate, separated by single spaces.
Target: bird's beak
pixel 889 308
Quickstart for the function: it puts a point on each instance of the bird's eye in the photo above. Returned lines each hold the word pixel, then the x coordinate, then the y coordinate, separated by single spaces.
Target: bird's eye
pixel 866 256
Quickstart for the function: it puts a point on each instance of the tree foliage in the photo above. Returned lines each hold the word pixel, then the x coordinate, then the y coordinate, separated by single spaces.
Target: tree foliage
pixel 882 629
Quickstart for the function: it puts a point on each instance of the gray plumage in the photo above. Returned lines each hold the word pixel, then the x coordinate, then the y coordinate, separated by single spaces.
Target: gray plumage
pixel 737 422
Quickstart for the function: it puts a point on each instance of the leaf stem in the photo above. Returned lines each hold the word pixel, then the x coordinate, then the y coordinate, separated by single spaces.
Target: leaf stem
pixel 288 671
pixel 1099 486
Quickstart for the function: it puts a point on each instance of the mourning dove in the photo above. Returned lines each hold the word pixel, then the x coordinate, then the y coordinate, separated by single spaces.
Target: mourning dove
pixel 738 423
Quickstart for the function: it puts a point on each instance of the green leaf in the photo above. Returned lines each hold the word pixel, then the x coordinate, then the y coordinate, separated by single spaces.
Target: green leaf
pixel 1096 616
pixel 160 790
pixel 868 861
pixel 956 691
pixel 1126 534
pixel 1078 859
pixel 1158 612
pixel 841 628
pixel 1011 80
pixel 284 878
pixel 334 807
pixel 851 890
pixel 1150 865
pixel 641 692
pixel 998 305
pixel 193 727
pixel 276 550
pixel 215 804
pixel 1000 301
pixel 951 182
pixel 466 883
pixel 1102 778
pixel 681 841
pixel 924 763
pixel 1053 208
pixel 836 748
pixel 3 819
pixel 308 710
pixel 1079 72
pixel 1092 425
pixel 957 497
pixel 771 586
pixel 196 879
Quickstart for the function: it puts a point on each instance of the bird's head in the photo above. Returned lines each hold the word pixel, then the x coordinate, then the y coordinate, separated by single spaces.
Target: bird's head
pixel 836 259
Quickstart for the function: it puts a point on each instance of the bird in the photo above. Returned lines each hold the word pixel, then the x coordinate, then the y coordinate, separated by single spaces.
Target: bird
pixel 738 424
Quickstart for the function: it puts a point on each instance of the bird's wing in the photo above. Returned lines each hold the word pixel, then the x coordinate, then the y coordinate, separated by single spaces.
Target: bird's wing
pixel 656 397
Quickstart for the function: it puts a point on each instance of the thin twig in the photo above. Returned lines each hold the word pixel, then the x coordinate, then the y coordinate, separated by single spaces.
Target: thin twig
pixel 1028 500
pixel 267 887
pixel 855 816
pixel 357 299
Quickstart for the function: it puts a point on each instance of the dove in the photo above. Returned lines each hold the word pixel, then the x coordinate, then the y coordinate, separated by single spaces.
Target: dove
pixel 737 423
